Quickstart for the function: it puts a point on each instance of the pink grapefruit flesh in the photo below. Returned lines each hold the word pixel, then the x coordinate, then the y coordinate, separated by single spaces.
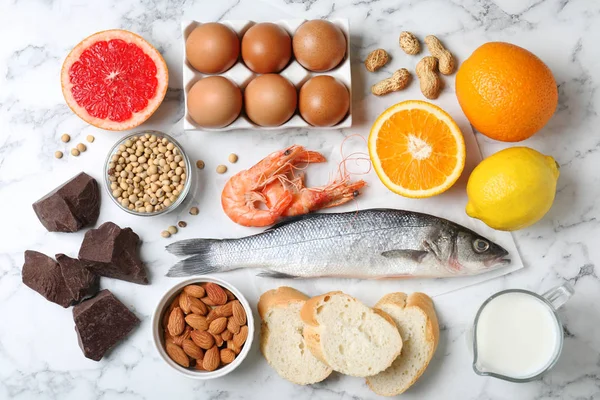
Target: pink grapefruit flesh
pixel 114 80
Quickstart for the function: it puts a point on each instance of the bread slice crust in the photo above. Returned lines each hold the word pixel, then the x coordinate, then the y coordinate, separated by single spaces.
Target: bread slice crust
pixel 387 382
pixel 314 332
pixel 301 367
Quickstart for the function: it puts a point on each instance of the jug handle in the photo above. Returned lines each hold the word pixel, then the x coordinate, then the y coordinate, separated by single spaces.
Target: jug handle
pixel 559 295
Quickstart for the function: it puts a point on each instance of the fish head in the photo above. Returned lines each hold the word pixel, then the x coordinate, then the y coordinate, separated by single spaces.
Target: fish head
pixel 475 254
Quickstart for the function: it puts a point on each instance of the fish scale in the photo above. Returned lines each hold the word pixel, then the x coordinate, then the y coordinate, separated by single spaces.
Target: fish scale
pixel 376 243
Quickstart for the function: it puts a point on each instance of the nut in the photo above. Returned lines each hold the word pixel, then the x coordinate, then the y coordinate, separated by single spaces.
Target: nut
pixel 172 229
pixel 240 338
pixel 165 234
pixel 230 296
pixel 218 325
pixel 200 164
pixel 196 291
pixel 58 154
pixel 430 82
pixel 232 325
pixel 233 158
pixel 191 349
pixel 398 81
pixel 65 138
pixel 376 59
pixel 81 147
pixel 239 315
pixel 226 310
pixel 182 224
pixel 212 359
pixel 178 340
pixel 227 335
pixel 90 138
pixel 221 169
pixel 203 339
pixel 194 211
pixel 208 301
pixel 227 356
pixel 184 303
pixel 176 323
pixel 409 43
pixel 218 340
pixel 212 315
pixel 197 322
pixel 198 307
pixel 216 293
pixel 177 354
pixel 232 346
pixel 74 152
pixel 446 62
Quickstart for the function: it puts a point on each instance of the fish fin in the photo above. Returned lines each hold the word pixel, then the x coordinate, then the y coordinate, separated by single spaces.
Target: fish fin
pixel 415 255
pixel 195 265
pixel 289 220
pixel 191 246
pixel 275 275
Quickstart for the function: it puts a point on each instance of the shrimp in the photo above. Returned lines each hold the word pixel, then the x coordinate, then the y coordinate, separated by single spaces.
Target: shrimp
pixel 306 200
pixel 242 195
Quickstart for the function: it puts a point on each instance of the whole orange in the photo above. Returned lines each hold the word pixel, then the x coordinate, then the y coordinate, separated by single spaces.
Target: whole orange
pixel 506 92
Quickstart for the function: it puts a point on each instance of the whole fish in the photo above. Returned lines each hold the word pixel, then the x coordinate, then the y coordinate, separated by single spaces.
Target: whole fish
pixel 376 243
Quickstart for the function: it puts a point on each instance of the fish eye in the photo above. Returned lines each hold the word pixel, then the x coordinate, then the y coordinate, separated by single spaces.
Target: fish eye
pixel 480 246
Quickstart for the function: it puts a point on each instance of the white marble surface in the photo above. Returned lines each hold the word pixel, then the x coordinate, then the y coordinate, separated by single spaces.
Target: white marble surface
pixel 39 356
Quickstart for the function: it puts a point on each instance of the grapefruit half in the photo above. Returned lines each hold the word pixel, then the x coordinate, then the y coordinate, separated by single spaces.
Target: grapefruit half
pixel 114 80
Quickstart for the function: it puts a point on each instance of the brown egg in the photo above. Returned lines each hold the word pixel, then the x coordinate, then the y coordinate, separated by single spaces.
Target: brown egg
pixel 270 100
pixel 266 48
pixel 319 45
pixel 324 101
pixel 214 102
pixel 212 48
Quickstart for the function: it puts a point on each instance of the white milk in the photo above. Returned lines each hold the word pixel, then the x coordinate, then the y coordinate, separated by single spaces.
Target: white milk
pixel 517 336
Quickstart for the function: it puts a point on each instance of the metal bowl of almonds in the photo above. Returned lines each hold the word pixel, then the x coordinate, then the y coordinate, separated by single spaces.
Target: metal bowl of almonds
pixel 203 328
pixel 147 173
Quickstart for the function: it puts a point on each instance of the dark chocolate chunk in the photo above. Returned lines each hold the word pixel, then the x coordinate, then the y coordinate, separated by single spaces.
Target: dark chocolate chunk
pixel 70 207
pixel 101 322
pixel 80 281
pixel 113 252
pixel 42 274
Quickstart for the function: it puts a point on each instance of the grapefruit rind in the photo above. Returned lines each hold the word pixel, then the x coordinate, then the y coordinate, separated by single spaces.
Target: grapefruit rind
pixel 138 118
pixel 439 114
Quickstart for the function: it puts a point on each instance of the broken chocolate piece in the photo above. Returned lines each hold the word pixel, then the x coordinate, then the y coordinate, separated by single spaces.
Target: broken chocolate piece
pixel 80 281
pixel 101 322
pixel 70 207
pixel 42 274
pixel 112 252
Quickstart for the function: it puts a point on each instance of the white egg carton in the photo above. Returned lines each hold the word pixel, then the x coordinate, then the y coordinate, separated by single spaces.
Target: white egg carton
pixel 242 75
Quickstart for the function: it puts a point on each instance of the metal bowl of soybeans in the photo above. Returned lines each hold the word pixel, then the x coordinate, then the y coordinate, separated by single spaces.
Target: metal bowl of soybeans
pixel 147 173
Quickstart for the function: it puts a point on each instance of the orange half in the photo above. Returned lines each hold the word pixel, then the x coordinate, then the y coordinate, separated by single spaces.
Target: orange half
pixel 416 149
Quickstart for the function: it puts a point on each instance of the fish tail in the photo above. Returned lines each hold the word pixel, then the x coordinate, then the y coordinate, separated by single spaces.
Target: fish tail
pixel 192 247
pixel 199 264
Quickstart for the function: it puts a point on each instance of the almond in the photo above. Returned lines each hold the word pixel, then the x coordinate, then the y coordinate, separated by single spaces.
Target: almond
pixel 195 291
pixel 203 339
pixel 232 346
pixel 178 340
pixel 238 313
pixel 184 303
pixel 218 325
pixel 176 323
pixel 227 335
pixel 212 359
pixel 174 303
pixel 191 349
pixel 208 301
pixel 177 354
pixel 197 322
pixel 218 340
pixel 199 366
pixel 211 316
pixel 226 310
pixel 232 325
pixel 230 296
pixel 216 293
pixel 227 356
pixel 240 338
pixel 198 307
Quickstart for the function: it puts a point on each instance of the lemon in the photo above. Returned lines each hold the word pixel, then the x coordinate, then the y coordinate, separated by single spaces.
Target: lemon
pixel 512 189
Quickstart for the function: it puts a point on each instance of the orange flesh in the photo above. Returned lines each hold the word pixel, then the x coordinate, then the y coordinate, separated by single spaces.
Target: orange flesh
pixel 417 151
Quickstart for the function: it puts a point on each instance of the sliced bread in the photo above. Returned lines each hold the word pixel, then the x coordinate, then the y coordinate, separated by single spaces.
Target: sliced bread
pixel 348 336
pixel 281 340
pixel 415 318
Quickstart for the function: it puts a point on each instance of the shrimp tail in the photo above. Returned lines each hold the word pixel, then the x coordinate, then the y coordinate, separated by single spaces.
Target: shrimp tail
pixel 309 157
